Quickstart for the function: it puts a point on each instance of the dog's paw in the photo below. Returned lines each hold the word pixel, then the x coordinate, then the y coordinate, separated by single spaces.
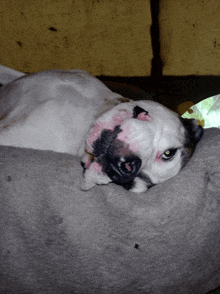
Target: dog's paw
pixel 94 176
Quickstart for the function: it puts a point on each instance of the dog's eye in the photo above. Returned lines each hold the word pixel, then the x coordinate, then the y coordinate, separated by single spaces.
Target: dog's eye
pixel 168 154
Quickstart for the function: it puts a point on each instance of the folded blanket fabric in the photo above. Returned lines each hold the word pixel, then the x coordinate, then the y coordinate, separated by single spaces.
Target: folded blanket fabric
pixel 56 238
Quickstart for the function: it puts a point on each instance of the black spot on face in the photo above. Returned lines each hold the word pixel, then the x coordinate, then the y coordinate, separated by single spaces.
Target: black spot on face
pixel 101 145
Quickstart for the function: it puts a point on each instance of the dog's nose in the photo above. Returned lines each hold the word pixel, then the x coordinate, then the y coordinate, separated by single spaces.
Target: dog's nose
pixel 123 169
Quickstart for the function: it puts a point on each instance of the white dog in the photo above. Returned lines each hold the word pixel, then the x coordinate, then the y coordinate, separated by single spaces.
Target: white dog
pixel 134 144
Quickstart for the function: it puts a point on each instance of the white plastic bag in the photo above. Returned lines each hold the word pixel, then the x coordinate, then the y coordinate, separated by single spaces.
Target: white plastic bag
pixel 206 112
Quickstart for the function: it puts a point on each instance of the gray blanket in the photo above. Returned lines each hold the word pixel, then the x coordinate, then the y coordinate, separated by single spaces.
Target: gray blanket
pixel 56 238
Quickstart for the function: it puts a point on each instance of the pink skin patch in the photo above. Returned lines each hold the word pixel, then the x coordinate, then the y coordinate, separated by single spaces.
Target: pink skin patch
pixel 95 133
pixel 88 159
pixel 116 119
pixel 119 118
pixel 134 147
pixel 143 116
pixel 95 166
pixel 124 135
pixel 158 157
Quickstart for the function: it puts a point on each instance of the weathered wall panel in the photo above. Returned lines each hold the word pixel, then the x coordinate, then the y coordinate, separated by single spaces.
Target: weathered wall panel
pixel 103 37
pixel 190 37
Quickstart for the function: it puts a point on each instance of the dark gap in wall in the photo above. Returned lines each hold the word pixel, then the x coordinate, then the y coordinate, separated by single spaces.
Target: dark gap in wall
pixel 156 64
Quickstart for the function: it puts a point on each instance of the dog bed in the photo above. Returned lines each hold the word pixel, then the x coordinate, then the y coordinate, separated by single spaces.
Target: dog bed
pixel 56 238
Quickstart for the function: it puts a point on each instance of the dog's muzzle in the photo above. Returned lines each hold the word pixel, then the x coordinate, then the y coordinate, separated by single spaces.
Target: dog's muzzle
pixel 122 170
pixel 115 153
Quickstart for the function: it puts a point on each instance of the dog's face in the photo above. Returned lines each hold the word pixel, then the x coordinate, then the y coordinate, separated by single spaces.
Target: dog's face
pixel 137 145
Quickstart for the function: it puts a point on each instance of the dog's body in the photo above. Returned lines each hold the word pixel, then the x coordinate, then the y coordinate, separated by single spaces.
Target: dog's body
pixel 52 110
pixel 135 144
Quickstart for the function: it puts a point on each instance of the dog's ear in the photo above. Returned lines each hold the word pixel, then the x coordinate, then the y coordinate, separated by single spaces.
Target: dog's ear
pixel 137 110
pixel 194 131
pixel 141 114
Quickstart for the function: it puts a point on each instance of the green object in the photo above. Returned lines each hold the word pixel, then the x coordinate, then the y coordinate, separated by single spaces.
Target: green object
pixel 206 112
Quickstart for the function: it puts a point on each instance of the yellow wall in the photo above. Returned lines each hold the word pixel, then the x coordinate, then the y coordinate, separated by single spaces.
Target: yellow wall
pixel 190 37
pixel 104 37
pixel 110 37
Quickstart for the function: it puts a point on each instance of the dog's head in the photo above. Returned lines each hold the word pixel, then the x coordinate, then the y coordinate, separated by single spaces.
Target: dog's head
pixel 137 145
